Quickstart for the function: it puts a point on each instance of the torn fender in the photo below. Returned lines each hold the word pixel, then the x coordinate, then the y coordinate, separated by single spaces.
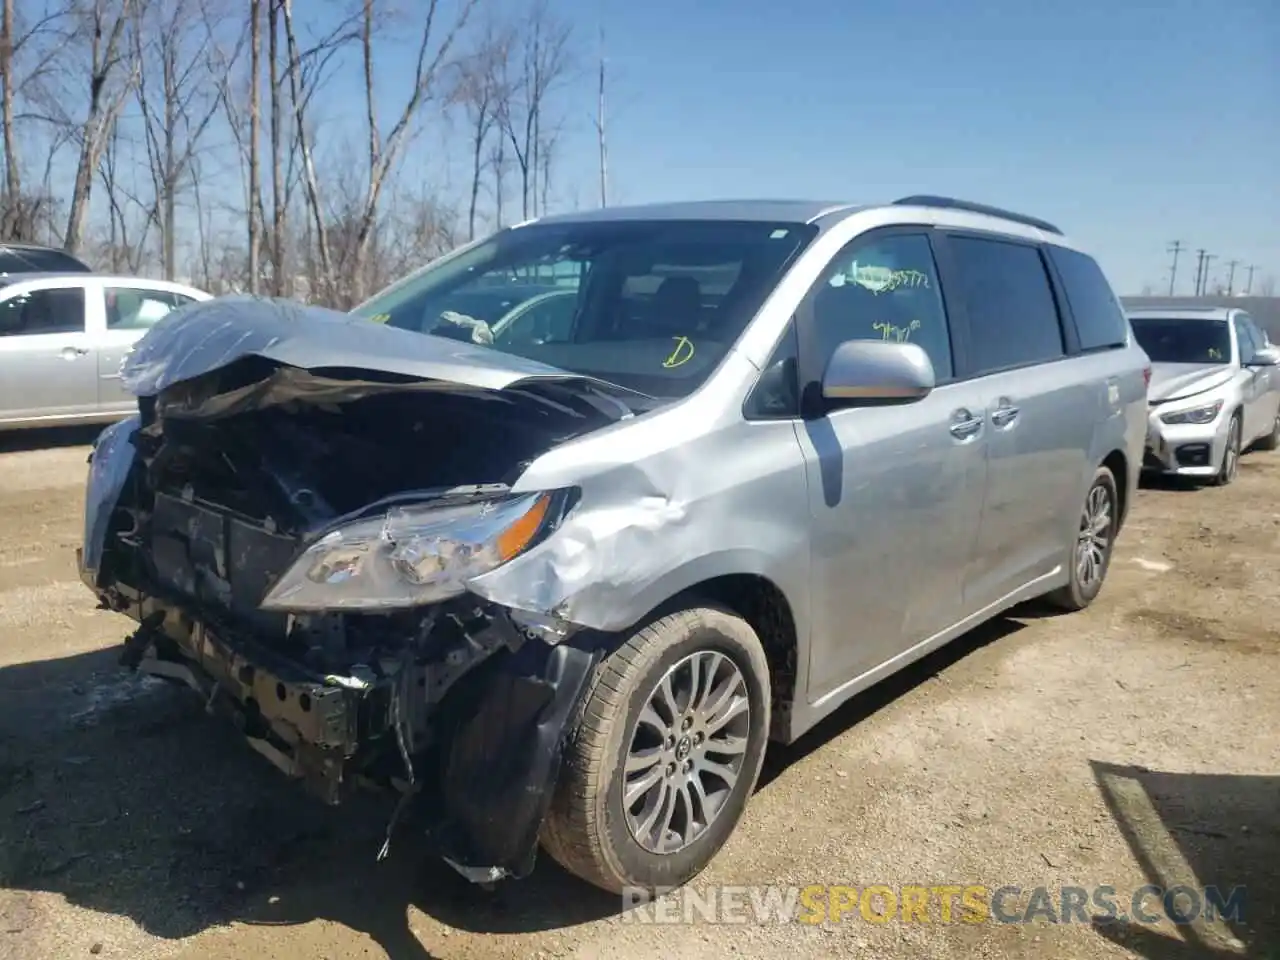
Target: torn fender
pixel 503 749
pixel 109 465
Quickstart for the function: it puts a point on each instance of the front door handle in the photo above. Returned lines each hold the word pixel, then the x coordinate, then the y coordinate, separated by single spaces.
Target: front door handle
pixel 1004 414
pixel 964 424
pixel 70 353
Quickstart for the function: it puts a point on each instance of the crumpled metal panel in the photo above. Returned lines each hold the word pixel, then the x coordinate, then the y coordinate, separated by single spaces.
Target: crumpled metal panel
pixel 206 336
pixel 109 466
pixel 505 744
pixel 663 506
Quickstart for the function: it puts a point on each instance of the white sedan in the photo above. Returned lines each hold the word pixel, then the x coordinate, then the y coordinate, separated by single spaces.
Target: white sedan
pixel 62 340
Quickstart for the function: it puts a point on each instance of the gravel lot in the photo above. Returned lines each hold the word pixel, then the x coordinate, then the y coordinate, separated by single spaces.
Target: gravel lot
pixel 1136 743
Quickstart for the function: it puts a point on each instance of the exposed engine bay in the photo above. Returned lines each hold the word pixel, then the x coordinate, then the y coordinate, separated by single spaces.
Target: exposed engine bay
pixel 231 519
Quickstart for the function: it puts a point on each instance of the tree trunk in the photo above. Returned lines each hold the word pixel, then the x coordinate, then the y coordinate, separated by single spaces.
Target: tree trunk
pixel 12 227
pixel 170 200
pixel 255 69
pixel 279 203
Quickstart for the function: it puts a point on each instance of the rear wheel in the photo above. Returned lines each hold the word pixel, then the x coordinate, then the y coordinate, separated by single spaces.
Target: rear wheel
pixel 1095 538
pixel 666 755
pixel 1230 465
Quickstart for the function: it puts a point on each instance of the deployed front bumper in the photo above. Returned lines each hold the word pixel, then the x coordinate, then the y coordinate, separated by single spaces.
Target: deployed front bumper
pixel 493 712
pixel 308 726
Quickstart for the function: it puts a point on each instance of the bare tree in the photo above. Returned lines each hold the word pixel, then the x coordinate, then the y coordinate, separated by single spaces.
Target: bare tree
pixel 255 124
pixel 1267 288
pixel 499 163
pixel 384 149
pixel 177 102
pixel 122 254
pixel 300 91
pixel 110 61
pixel 33 37
pixel 279 191
pixel 479 91
pixel 13 178
pixel 599 125
pixel 543 62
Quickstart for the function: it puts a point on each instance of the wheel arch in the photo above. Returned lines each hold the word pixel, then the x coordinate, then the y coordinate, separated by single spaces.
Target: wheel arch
pixel 759 600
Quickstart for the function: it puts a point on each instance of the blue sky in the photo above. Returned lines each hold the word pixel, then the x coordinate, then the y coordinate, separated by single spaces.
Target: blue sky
pixel 1130 124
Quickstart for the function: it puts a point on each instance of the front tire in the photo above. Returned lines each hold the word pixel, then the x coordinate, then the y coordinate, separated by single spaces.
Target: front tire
pixel 1230 465
pixel 1095 540
pixel 667 753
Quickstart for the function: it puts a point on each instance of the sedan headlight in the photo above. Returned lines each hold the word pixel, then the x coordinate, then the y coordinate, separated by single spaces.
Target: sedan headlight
pixel 1203 414
pixel 413 555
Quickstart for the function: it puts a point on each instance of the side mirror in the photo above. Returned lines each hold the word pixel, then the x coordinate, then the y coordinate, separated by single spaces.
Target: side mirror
pixel 1266 357
pixel 877 372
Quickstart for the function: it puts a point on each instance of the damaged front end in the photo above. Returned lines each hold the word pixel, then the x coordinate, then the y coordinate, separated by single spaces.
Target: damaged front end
pixel 293 519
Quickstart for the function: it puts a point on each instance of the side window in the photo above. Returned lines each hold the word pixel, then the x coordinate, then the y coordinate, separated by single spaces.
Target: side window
pixel 1099 318
pixel 549 320
pixel 1244 338
pixel 1013 317
pixel 132 309
pixel 59 310
pixel 883 288
pixel 1260 340
pixel 777 393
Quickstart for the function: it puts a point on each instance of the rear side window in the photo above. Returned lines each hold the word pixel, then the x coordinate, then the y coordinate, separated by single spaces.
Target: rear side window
pixel 1100 321
pixel 131 308
pixel 1013 317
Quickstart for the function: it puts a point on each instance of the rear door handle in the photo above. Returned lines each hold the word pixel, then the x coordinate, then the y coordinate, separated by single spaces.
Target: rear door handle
pixel 70 353
pixel 1004 414
pixel 964 424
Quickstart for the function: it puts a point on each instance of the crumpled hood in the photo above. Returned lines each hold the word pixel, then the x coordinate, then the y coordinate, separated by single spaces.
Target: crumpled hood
pixel 1173 381
pixel 203 337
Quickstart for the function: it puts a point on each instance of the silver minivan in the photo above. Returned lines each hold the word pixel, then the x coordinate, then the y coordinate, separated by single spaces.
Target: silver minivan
pixel 555 572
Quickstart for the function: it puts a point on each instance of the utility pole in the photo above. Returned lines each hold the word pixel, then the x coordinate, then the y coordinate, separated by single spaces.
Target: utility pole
pixel 1199 269
pixel 599 122
pixel 1175 248
pixel 1248 289
pixel 1208 258
pixel 1231 276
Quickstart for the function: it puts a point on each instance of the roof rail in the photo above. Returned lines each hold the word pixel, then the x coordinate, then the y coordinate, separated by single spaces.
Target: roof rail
pixel 950 203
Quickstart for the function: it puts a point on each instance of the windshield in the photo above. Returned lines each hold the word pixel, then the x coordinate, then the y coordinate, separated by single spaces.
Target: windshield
pixel 1174 340
pixel 650 305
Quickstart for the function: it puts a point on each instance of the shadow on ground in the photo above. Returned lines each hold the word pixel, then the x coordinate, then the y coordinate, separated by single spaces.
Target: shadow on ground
pixel 48 438
pixel 1198 831
pixel 120 794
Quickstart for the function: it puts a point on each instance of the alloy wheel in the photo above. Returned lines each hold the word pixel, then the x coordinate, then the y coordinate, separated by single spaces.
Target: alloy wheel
pixel 1094 539
pixel 686 752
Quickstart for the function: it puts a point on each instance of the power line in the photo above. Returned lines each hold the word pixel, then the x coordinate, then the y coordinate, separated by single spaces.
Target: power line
pixel 1175 248
pixel 1231 275
pixel 1208 257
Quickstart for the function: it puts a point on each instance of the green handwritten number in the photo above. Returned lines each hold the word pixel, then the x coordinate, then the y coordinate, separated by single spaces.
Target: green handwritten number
pixel 894 333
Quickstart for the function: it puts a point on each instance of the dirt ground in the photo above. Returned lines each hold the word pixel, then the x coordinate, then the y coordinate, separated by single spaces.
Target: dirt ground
pixel 1138 742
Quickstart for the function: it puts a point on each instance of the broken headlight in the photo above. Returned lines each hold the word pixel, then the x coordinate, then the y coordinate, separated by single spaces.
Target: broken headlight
pixel 413 555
